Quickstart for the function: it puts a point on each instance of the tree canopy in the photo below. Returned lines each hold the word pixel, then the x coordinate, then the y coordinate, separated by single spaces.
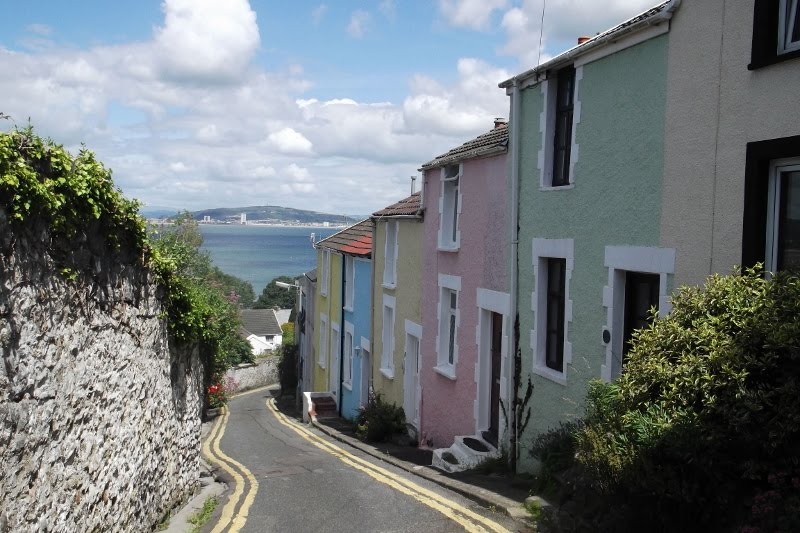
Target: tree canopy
pixel 274 296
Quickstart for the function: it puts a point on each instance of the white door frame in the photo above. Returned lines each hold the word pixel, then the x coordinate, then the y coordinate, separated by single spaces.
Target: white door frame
pixel 489 302
pixel 334 356
pixel 412 389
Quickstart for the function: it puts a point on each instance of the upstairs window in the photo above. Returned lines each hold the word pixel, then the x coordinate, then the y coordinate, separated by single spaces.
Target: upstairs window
pixel 347 378
pixel 447 342
pixel 783 216
pixel 349 282
pixel 390 256
pixel 556 300
pixel 562 132
pixel 776 32
pixel 325 272
pixel 450 208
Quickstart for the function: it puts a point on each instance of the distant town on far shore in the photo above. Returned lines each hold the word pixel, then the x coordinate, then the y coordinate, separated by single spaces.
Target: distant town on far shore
pixel 256 215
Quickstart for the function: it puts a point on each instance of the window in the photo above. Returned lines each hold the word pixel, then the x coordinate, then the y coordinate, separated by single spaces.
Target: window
pixel 349 282
pixel 348 355
pixel 387 337
pixel 554 344
pixel 450 208
pixel 323 339
pixel 783 216
pixel 552 266
pixel 562 132
pixel 776 32
pixel 326 270
pixel 390 257
pixel 447 345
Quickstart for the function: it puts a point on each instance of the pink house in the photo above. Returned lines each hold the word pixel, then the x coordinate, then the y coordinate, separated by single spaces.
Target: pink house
pixel 465 305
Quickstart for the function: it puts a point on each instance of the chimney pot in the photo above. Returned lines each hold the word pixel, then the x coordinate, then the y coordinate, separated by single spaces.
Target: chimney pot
pixel 583 39
pixel 500 122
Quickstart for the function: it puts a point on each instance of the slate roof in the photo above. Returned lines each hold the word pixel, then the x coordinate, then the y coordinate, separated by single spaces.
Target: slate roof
pixel 494 140
pixel 599 39
pixel 261 322
pixel 353 240
pixel 405 207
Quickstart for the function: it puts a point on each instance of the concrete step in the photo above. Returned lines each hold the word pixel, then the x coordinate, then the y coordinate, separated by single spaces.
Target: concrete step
pixel 468 451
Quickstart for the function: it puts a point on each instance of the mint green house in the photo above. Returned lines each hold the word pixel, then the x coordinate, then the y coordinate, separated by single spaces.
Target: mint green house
pixel 586 162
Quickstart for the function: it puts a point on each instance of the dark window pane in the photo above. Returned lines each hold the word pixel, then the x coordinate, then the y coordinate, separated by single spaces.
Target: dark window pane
pixel 562 136
pixel 450 354
pixel 556 298
pixel 789 224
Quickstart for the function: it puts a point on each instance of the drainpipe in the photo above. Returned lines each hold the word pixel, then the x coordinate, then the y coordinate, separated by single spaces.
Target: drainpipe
pixel 514 215
pixel 339 387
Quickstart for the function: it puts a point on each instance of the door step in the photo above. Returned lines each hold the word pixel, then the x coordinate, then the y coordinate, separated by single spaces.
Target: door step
pixel 465 453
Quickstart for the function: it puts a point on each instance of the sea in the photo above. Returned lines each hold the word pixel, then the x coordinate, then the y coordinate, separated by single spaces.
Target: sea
pixel 260 253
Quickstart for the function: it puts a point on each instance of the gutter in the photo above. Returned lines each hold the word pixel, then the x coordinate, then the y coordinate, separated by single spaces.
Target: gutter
pixel 514 154
pixel 472 154
pixel 573 53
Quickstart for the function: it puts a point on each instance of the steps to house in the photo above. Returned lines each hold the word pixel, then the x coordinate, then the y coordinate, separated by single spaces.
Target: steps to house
pixel 465 453
pixel 325 407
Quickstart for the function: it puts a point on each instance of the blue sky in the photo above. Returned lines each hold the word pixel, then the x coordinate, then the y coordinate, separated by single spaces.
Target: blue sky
pixel 320 105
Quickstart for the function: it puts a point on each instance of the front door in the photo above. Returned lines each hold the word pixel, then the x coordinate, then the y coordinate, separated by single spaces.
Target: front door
pixel 411 380
pixel 641 294
pixel 494 397
pixel 366 375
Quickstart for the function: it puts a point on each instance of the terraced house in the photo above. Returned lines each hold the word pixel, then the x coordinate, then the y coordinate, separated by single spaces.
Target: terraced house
pixel 648 156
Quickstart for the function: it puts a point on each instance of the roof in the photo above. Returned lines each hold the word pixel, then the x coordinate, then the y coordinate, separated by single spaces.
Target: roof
pixel 353 240
pixel 260 322
pixel 405 207
pixel 661 11
pixel 494 141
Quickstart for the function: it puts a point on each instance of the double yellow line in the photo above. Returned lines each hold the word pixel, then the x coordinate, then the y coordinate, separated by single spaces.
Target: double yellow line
pixel 470 520
pixel 212 451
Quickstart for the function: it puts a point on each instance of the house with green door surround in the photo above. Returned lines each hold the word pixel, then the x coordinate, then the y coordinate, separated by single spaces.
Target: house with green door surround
pixel 586 162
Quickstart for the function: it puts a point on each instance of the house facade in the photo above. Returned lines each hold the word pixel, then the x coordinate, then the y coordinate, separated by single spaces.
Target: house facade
pixel 396 302
pixel 328 321
pixel 261 328
pixel 466 306
pixel 731 191
pixel 587 165
pixel 305 330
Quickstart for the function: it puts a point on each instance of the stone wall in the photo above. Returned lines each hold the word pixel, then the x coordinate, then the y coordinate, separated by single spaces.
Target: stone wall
pixel 99 415
pixel 263 372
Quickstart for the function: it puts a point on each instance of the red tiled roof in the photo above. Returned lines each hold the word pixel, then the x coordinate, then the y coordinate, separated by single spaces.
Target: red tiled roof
pixel 353 240
pixel 406 206
pixel 496 139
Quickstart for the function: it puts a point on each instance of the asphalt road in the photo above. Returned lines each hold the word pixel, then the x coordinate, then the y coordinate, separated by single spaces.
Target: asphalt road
pixel 286 476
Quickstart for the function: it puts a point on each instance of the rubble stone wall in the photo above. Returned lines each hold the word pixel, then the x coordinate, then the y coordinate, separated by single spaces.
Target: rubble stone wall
pixel 99 414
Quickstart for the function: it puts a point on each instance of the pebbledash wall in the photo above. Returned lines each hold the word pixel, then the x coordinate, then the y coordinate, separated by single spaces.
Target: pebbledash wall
pixel 99 415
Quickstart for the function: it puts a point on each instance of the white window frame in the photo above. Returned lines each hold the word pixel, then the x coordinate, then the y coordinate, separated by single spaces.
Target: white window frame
pixel 547 127
pixel 390 255
pixel 544 249
pixel 411 402
pixel 776 168
pixel 324 336
pixel 326 271
pixel 349 347
pixel 335 358
pixel 450 207
pixel 786 22
pixel 349 282
pixel 447 286
pixel 387 336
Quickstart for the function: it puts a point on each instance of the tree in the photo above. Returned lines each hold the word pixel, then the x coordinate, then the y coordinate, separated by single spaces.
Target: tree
pixel 274 296
pixel 231 285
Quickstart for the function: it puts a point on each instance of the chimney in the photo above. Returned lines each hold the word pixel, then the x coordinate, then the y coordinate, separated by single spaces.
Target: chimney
pixel 500 122
pixel 583 39
pixel 413 183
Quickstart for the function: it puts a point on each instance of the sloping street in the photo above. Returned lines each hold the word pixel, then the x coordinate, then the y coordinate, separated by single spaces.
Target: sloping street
pixel 286 476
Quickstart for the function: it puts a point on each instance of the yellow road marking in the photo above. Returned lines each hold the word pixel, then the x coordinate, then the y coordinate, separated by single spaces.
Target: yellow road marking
pixel 215 454
pixel 427 497
pixel 251 391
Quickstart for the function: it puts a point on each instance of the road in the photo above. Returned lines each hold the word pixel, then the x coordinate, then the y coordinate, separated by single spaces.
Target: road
pixel 287 476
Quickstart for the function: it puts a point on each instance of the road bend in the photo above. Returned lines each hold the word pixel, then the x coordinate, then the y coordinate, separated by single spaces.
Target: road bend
pixel 287 476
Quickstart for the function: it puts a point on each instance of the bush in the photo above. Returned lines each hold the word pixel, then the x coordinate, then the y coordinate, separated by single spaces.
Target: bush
pixel 287 368
pixel 555 450
pixel 379 420
pixel 708 405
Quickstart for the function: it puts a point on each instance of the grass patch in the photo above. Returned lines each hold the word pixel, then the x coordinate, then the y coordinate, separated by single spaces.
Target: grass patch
pixel 534 508
pixel 198 519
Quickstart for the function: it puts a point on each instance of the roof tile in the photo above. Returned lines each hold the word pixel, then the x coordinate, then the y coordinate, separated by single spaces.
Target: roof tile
pixel 406 206
pixel 480 145
pixel 353 240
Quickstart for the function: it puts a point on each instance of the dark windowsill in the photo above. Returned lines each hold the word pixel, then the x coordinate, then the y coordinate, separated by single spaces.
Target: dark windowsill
pixel 766 61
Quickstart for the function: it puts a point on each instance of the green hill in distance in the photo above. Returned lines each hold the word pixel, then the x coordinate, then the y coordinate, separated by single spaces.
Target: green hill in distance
pixel 271 214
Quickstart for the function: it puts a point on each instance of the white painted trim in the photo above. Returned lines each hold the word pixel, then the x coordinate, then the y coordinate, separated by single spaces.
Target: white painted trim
pixel 413 328
pixel 324 340
pixel 488 302
pixel 349 287
pixel 366 345
pixel 498 302
pixel 574 151
pixel 544 161
pixel 544 249
pixel 626 41
pixel 776 167
pixel 366 371
pixel 411 390
pixel 619 260
pixel 387 351
pixel 335 355
pixel 448 245
pixel 443 365
pixel 326 272
pixel 390 282
pixel 450 282
pixel 349 358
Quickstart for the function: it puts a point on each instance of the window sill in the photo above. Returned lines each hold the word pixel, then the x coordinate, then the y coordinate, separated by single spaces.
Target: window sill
pixel 348 308
pixel 559 188
pixel 348 385
pixel 448 371
pixel 772 59
pixel 388 373
pixel 448 248
pixel 389 285
pixel 321 365
pixel 549 373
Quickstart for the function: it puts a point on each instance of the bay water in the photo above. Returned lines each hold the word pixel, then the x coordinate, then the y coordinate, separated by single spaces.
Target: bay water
pixel 260 253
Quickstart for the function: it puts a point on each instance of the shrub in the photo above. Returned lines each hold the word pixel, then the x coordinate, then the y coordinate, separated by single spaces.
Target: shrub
pixel 708 404
pixel 287 368
pixel 379 420
pixel 555 450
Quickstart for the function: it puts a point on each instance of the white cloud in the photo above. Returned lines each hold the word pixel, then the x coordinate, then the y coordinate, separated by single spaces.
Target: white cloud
pixel 206 39
pixel 474 14
pixel 388 9
pixel 289 141
pixel 357 26
pixel 564 22
pixel 318 13
pixel 40 29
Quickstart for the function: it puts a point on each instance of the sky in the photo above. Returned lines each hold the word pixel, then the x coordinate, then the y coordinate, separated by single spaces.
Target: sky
pixel 328 106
